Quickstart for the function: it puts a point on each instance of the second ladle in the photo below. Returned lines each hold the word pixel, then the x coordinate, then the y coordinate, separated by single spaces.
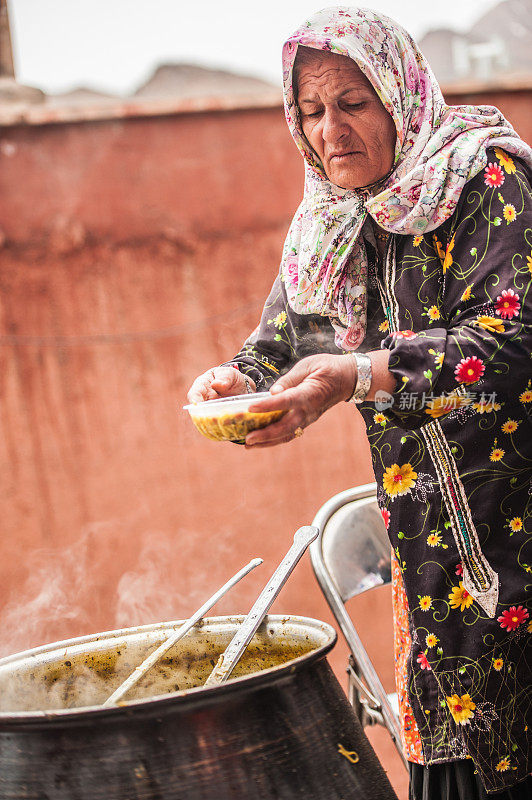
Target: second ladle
pixel 148 662
pixel 233 652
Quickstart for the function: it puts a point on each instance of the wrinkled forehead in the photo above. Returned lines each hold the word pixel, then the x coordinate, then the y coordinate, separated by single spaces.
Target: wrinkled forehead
pixel 320 55
pixel 311 66
pixel 314 58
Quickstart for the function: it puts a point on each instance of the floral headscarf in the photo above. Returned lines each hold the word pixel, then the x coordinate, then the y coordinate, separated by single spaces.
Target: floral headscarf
pixel 438 149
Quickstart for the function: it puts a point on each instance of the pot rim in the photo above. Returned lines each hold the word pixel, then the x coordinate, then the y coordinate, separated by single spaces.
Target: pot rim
pixel 196 696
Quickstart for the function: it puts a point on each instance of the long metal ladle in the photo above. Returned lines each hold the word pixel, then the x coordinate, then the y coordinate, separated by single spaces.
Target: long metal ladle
pixel 142 669
pixel 233 652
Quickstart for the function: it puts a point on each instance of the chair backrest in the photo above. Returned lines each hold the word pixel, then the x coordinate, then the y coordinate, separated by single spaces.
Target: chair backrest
pixel 356 548
pixel 352 553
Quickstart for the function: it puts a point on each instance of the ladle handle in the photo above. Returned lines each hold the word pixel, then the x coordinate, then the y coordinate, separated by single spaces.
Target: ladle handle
pixel 233 652
pixel 183 629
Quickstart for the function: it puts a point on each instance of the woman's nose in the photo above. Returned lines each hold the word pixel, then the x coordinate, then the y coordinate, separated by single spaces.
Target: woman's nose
pixel 334 126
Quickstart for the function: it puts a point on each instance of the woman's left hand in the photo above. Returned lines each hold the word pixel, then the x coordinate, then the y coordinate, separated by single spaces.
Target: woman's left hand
pixel 311 387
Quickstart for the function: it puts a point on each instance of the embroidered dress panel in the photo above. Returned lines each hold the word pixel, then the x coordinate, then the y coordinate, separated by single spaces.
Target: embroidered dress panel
pixel 479 579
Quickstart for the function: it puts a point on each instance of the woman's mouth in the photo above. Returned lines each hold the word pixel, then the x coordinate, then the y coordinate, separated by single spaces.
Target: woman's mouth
pixel 339 157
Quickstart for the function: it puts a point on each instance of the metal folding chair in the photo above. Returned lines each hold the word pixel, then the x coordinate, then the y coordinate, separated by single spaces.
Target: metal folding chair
pixel 351 556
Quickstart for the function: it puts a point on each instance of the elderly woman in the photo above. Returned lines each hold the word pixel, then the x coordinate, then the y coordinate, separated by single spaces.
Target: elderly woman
pixel 404 287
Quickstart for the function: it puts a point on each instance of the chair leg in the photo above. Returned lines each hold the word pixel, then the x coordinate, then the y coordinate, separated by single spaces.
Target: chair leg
pixel 364 704
pixel 368 710
pixel 353 695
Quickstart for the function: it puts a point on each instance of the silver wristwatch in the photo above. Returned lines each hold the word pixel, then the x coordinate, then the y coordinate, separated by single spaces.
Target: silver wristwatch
pixel 364 376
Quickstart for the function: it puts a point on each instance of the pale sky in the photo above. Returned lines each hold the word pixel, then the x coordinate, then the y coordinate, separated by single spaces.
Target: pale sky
pixel 114 45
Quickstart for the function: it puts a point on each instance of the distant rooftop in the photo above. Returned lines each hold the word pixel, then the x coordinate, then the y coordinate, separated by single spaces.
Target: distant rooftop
pixel 499 45
pixel 173 81
pixel 81 95
pixel 172 88
pixel 190 80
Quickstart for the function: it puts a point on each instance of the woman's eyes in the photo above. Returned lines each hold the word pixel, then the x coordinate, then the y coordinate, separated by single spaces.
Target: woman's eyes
pixel 347 106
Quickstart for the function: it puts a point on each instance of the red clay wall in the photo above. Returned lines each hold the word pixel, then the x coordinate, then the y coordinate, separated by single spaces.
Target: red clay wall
pixel 185 175
pixel 139 253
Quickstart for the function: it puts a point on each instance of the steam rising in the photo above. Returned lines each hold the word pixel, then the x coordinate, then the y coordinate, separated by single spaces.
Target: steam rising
pixel 45 602
pixel 148 590
pixel 68 590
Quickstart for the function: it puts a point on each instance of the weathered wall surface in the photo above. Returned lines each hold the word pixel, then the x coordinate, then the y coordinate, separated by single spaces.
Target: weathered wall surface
pixel 136 253
pixel 186 176
pixel 139 253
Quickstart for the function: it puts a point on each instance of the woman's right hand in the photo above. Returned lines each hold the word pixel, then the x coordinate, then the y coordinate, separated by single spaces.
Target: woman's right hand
pixel 218 382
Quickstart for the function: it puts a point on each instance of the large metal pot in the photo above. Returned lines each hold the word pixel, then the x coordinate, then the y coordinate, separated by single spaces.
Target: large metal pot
pixel 282 728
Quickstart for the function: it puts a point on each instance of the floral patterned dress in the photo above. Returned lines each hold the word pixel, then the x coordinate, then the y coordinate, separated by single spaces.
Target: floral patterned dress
pixel 452 455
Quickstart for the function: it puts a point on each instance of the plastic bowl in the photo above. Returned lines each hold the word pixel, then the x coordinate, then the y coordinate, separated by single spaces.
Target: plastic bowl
pixel 228 419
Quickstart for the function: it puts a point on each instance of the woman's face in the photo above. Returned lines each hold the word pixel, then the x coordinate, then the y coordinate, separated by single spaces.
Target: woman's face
pixel 343 120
